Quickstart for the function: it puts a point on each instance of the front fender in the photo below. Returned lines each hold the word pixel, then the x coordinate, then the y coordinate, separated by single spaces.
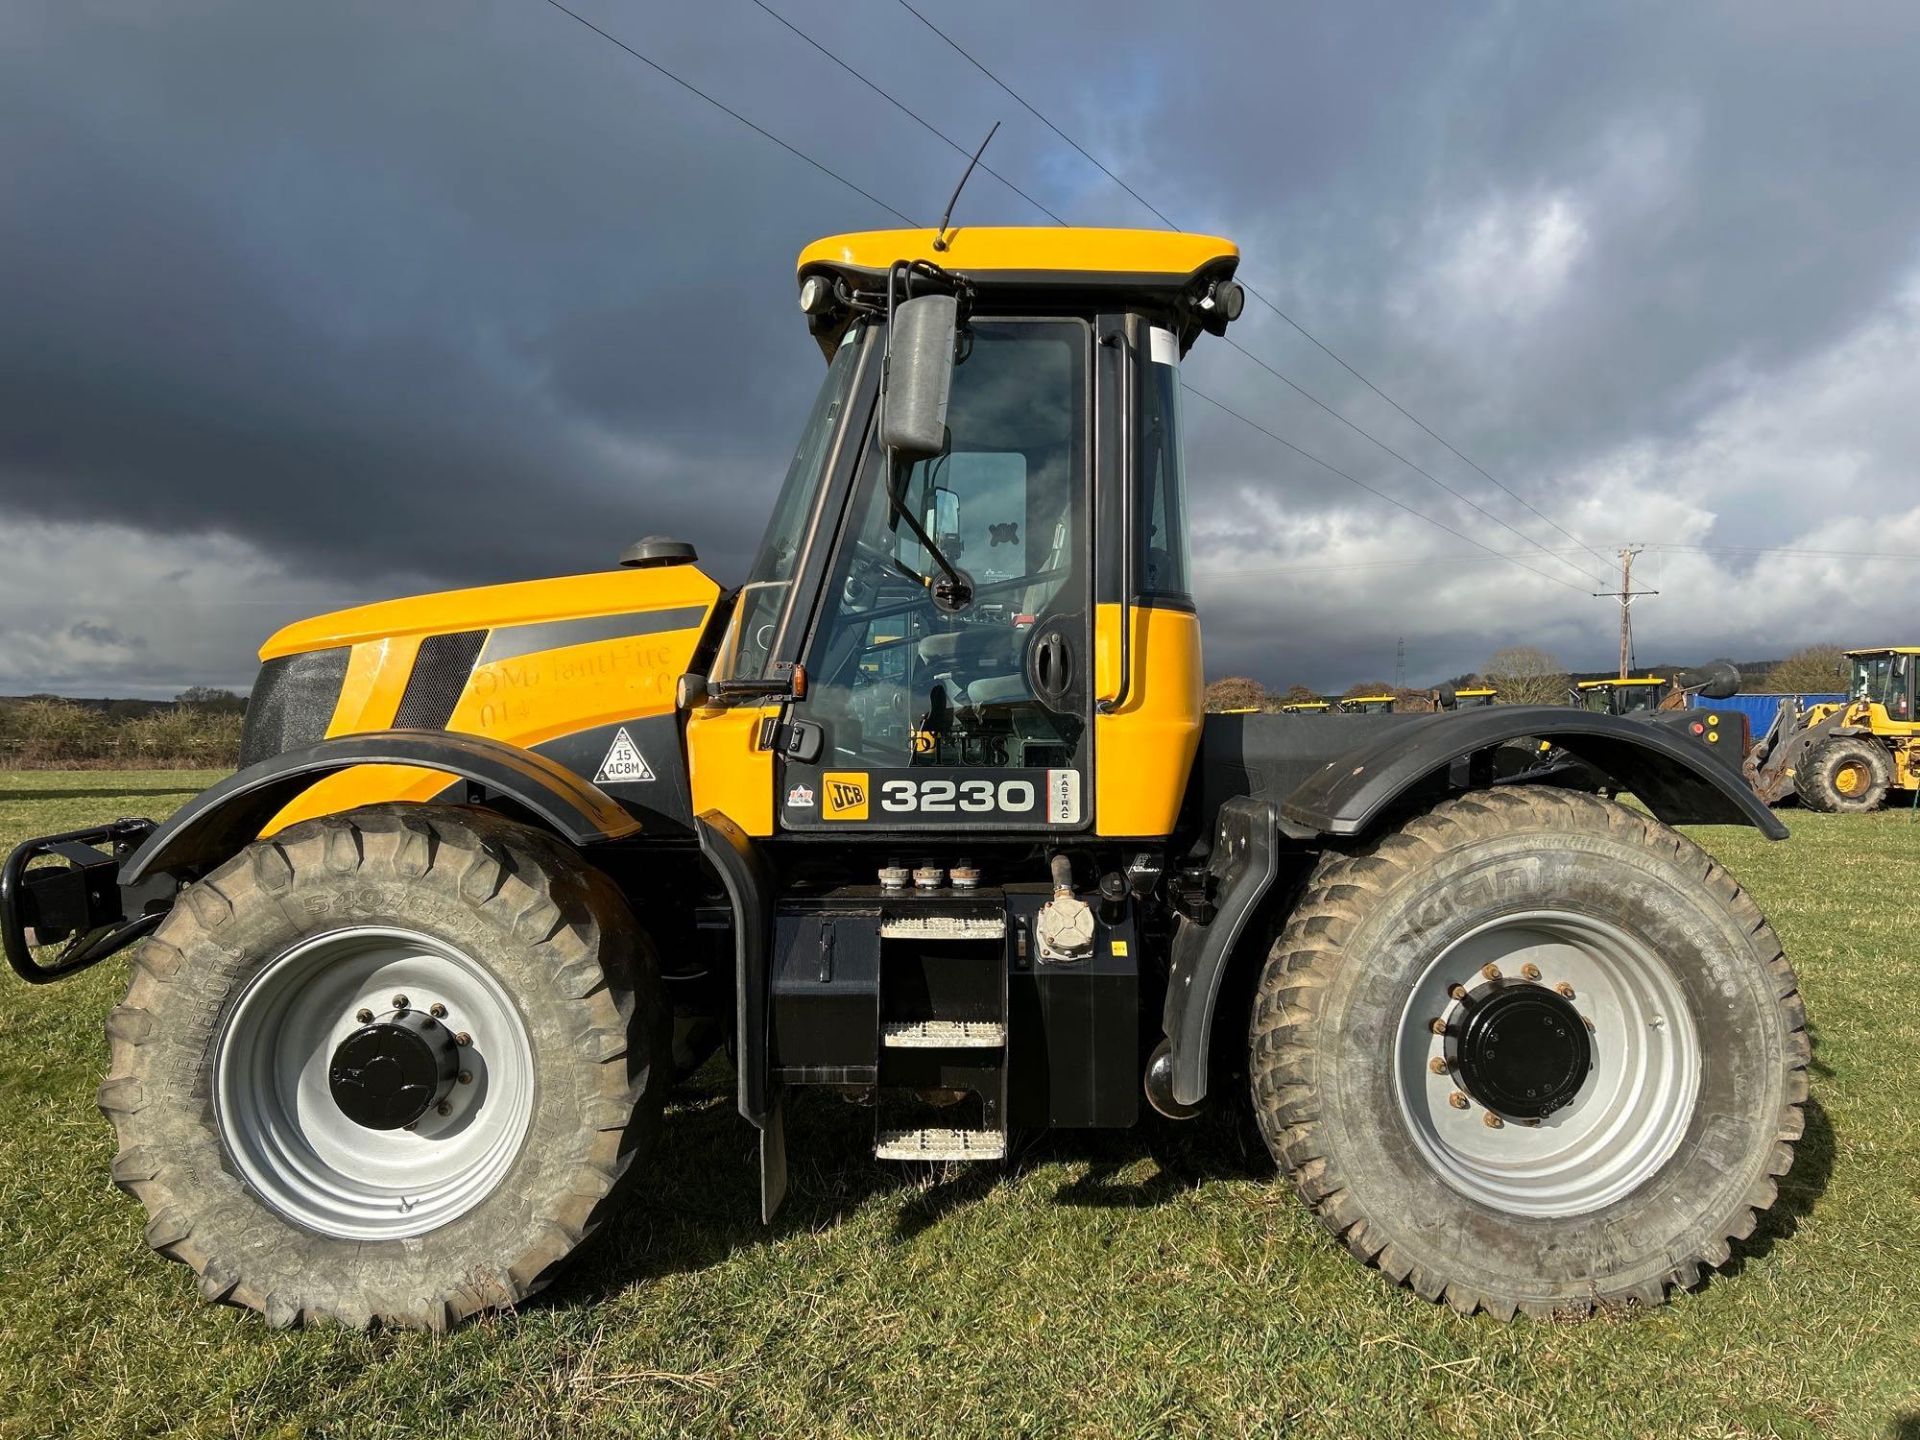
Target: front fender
pixel 215 824
pixel 1670 774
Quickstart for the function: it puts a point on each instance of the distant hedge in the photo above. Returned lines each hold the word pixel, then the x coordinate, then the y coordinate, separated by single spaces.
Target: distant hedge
pixel 43 733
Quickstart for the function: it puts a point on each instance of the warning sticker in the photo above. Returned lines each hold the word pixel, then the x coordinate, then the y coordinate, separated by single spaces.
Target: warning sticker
pixel 624 761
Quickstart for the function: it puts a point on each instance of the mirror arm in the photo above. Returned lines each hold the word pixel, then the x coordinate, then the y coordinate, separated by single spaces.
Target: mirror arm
pixel 954 577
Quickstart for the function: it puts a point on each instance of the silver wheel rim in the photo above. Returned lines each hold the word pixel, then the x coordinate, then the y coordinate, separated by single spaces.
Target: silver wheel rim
pixel 1627 1119
pixel 303 1156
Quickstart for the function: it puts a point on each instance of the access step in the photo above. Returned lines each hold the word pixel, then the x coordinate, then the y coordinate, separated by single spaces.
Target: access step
pixel 943 1034
pixel 939 1142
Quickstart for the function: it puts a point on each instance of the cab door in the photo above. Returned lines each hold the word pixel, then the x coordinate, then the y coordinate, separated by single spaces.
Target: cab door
pixel 924 713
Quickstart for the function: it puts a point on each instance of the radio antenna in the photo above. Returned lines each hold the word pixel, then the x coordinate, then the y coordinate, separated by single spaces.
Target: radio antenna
pixel 940 235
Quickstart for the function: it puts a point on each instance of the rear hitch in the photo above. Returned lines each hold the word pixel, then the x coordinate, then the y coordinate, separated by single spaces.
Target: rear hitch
pixel 80 902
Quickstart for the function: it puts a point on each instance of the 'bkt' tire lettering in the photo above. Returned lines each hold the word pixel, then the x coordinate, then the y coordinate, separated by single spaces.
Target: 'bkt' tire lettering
pixel 976 797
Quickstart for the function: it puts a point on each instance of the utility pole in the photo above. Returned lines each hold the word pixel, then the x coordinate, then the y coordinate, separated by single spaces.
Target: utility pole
pixel 1400 665
pixel 1625 595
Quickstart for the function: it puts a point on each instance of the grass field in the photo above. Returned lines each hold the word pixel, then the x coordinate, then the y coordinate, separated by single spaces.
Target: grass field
pixel 1154 1283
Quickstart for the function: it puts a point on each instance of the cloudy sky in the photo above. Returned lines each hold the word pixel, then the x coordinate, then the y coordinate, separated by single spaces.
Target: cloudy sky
pixel 302 305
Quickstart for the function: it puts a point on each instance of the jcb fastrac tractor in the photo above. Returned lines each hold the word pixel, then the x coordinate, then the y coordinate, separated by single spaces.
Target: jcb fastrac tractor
pixel 925 813
pixel 1847 757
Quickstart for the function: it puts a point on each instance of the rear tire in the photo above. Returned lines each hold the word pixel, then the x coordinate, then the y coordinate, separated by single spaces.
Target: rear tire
pixel 226 1063
pixel 1677 1106
pixel 1844 776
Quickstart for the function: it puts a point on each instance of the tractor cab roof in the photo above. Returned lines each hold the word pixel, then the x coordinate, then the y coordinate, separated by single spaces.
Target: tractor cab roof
pixel 1884 650
pixel 1628 680
pixel 1033 268
pixel 1476 690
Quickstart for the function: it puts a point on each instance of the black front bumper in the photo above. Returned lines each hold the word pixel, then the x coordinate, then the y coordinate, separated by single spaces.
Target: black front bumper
pixel 79 902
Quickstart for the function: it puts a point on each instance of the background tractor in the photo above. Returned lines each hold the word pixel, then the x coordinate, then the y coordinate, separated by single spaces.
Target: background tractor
pixel 1846 757
pixel 1367 705
pixel 925 814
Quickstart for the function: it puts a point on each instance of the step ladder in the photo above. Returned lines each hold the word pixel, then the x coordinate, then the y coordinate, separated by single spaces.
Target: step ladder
pixel 943 1029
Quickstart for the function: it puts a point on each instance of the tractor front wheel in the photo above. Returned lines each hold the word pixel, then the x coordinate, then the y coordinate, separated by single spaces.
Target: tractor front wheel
pixel 393 1066
pixel 1845 775
pixel 1532 1051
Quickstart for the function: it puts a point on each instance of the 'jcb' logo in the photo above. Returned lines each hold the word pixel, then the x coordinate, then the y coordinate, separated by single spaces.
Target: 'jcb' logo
pixel 845 794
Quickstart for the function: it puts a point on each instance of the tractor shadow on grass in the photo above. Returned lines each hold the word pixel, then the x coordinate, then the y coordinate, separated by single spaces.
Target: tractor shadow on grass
pixel 697 1201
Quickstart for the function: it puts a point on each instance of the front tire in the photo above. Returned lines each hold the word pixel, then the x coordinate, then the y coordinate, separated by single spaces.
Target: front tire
pixel 394 1065
pixel 1844 776
pixel 1532 1051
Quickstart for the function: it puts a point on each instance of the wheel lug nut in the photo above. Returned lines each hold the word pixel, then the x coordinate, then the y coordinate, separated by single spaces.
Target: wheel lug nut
pixel 1437 1026
pixel 1438 1065
pixel 1563 988
pixel 1530 970
pixel 1457 1100
pixel 1490 972
pixel 364 1016
pixel 466 1077
pixel 1491 1120
pixel 400 1002
pixel 443 1108
pixel 437 1010
pixel 1457 992
pixel 463 1038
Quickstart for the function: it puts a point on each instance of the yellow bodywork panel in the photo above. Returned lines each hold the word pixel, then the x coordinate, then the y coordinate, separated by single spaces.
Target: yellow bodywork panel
pixel 1143 753
pixel 539 687
pixel 728 769
pixel 1023 250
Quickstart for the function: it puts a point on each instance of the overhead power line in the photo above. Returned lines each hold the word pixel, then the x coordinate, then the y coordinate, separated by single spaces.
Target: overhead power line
pixel 829 171
pixel 1021 101
pixel 1162 217
pixel 925 125
pixel 1368 435
pixel 1381 494
pixel 759 130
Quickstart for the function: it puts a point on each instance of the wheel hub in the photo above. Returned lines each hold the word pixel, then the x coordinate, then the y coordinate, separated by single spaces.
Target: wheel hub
pixel 1524 1051
pixel 390 1072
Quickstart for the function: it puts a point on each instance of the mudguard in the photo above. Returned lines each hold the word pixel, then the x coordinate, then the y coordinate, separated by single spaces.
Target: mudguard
pixel 743 874
pixel 1671 775
pixel 1242 865
pixel 219 821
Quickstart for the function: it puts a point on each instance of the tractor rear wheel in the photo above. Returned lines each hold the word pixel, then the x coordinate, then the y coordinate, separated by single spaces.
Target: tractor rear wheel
pixel 394 1065
pixel 1531 1051
pixel 1845 775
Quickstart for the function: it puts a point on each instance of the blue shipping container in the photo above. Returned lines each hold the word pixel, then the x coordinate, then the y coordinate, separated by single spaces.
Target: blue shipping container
pixel 1760 709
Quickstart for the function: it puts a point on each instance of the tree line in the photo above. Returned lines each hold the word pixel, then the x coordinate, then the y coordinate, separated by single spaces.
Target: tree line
pixel 198 731
pixel 1529 675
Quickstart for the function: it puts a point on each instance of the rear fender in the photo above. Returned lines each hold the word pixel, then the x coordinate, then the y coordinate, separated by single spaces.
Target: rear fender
pixel 1670 773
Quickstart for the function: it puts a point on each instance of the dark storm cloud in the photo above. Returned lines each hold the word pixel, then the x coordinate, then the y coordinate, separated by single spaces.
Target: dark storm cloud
pixel 457 292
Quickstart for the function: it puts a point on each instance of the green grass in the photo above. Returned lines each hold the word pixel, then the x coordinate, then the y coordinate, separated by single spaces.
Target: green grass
pixel 1153 1283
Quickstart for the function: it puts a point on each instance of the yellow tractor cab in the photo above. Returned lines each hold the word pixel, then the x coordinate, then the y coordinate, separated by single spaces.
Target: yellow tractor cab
pixel 922 813
pixel 1306 707
pixel 1851 756
pixel 1630 695
pixel 1367 705
pixel 1473 697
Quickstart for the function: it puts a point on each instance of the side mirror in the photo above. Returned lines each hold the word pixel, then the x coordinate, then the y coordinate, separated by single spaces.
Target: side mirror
pixel 1716 681
pixel 913 412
